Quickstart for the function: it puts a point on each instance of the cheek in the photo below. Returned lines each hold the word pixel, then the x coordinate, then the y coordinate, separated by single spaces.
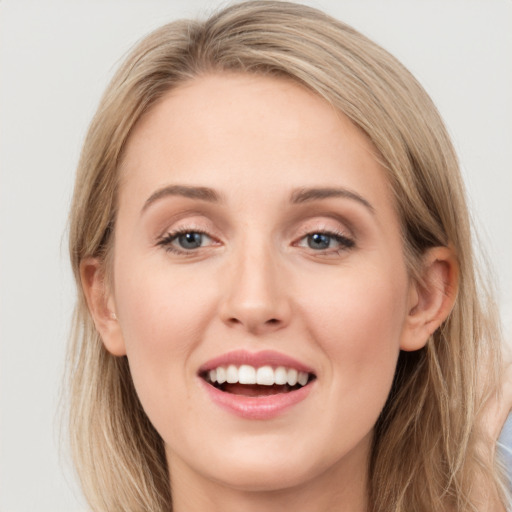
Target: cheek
pixel 358 322
pixel 161 307
pixel 163 317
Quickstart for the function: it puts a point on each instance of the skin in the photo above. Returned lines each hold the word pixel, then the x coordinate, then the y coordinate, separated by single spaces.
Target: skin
pixel 256 284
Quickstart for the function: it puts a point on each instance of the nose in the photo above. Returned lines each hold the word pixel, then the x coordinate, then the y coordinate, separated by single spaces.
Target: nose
pixel 255 298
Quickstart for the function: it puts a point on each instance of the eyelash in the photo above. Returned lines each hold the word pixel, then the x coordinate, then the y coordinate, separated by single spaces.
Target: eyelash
pixel 167 240
pixel 345 243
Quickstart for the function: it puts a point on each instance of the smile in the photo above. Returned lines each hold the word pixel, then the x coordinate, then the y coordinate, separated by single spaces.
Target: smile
pixel 256 386
pixel 262 381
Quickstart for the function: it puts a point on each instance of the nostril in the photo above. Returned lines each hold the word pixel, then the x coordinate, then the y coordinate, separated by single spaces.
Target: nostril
pixel 271 321
pixel 255 322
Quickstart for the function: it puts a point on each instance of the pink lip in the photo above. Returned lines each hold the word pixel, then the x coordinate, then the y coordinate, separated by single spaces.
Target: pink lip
pixel 256 359
pixel 256 408
pixel 260 407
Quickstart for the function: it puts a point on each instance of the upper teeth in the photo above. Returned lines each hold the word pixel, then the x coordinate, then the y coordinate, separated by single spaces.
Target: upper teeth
pixel 264 375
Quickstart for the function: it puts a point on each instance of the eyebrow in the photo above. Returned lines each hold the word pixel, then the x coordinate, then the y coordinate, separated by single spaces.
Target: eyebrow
pixel 299 196
pixel 305 195
pixel 201 193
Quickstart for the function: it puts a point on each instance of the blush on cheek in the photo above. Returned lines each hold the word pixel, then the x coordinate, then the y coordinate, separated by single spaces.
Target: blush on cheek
pixel 159 310
pixel 362 339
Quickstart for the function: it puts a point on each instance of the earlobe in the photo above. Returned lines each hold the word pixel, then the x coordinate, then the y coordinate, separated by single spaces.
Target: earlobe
pixel 432 299
pixel 100 302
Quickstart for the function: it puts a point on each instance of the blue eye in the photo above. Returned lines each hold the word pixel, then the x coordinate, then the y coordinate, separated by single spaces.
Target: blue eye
pixel 326 241
pixel 185 241
pixel 190 240
pixel 319 241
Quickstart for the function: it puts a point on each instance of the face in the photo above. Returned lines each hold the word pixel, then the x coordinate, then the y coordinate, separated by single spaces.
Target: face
pixel 256 244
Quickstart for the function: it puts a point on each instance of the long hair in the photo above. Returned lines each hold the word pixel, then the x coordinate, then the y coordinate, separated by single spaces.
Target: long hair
pixel 425 454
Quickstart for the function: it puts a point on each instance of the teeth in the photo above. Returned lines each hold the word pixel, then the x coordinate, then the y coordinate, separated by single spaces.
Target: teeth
pixel 302 378
pixel 246 374
pixel 232 374
pixel 264 375
pixel 281 375
pixel 221 375
pixel 292 377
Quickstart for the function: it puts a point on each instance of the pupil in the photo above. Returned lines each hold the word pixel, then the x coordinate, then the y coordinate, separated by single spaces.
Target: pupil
pixel 190 240
pixel 319 241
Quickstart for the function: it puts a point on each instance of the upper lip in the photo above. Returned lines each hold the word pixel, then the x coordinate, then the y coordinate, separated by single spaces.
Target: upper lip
pixel 255 359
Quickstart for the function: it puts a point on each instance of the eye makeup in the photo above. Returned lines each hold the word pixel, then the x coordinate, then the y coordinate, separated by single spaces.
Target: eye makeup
pixel 326 241
pixel 186 241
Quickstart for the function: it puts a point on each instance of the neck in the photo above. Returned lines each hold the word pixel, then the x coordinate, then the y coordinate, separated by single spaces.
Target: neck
pixel 338 489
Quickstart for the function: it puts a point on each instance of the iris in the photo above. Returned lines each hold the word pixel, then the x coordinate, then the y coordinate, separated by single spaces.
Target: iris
pixel 319 241
pixel 190 240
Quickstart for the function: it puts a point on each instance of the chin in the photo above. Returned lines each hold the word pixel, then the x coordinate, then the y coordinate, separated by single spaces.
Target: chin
pixel 271 463
pixel 262 476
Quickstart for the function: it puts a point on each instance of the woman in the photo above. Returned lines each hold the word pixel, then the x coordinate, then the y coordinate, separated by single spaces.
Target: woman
pixel 278 302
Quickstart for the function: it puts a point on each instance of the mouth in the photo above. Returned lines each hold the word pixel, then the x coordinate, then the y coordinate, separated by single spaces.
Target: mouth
pixel 263 381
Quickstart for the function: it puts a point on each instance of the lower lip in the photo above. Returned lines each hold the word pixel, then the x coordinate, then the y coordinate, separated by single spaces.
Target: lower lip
pixel 256 407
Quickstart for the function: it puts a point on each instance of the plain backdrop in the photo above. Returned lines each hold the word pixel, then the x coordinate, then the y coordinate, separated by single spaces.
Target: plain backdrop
pixel 56 59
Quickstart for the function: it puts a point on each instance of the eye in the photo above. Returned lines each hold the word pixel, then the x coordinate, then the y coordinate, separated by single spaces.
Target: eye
pixel 325 241
pixel 319 241
pixel 183 241
pixel 191 240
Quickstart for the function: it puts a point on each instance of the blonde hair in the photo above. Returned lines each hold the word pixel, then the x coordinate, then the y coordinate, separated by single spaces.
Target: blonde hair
pixel 425 453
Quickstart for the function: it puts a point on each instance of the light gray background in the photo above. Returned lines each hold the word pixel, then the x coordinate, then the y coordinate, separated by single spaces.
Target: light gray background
pixel 55 60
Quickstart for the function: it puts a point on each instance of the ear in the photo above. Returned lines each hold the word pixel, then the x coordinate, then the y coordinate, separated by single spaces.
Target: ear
pixel 430 300
pixel 101 305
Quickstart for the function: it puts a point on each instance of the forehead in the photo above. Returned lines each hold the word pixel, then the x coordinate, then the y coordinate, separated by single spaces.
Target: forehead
pixel 249 134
